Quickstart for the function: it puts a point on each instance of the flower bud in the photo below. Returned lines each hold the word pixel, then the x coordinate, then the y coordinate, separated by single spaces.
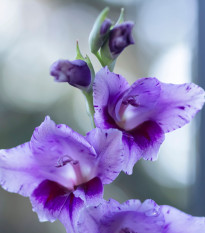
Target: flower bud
pixel 119 38
pixel 99 31
pixel 76 73
pixel 105 27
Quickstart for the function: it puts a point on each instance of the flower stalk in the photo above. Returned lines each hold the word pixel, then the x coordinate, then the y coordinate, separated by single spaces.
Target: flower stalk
pixel 130 123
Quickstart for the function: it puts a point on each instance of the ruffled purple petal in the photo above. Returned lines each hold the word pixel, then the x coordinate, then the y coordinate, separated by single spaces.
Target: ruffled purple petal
pixel 90 192
pixel 170 106
pixel 70 213
pixel 51 140
pixel 60 151
pixel 107 89
pixel 50 167
pixel 19 172
pixel 148 137
pixel 48 199
pixel 144 112
pixel 142 142
pixel 132 216
pixel 178 222
pixel 177 105
pixel 137 103
pixel 108 146
pixel 131 152
pixel 52 201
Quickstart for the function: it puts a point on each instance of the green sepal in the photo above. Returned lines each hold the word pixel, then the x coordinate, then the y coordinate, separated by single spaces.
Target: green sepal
pixel 106 56
pixel 95 39
pixel 79 55
pixel 121 17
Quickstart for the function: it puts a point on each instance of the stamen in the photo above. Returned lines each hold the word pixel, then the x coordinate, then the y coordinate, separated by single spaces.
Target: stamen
pixel 132 100
pixel 126 230
pixel 65 160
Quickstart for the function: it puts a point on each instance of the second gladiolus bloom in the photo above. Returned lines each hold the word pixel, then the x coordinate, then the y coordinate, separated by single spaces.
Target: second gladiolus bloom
pixel 144 111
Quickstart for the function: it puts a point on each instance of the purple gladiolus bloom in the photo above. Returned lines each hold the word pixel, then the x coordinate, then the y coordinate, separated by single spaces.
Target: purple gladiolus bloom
pixel 76 73
pixel 136 217
pixel 120 37
pixel 144 111
pixel 62 171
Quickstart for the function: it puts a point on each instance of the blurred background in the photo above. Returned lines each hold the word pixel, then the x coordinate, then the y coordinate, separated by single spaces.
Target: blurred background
pixel 169 38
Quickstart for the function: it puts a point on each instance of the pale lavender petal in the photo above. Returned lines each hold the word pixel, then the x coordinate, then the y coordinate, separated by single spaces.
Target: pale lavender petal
pixel 178 222
pixel 57 140
pixel 19 171
pixel 144 112
pixel 108 145
pixel 51 201
pixel 107 89
pixel 142 142
pixel 177 105
pixel 132 216
pixel 170 106
pixel 55 153
pixel 90 192
pixel 48 199
pixel 137 103
pixel 70 213
pixel 60 152
pixel 132 153
pixel 148 110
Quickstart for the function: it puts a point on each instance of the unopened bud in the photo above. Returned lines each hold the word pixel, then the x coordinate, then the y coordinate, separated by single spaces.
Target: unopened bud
pixel 119 38
pixel 76 73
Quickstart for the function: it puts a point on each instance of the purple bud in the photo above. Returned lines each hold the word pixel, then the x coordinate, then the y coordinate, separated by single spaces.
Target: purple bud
pixel 76 73
pixel 105 27
pixel 120 37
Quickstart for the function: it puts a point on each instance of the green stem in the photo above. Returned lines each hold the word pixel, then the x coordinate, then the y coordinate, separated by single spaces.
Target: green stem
pixel 90 108
pixel 110 65
pixel 100 59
